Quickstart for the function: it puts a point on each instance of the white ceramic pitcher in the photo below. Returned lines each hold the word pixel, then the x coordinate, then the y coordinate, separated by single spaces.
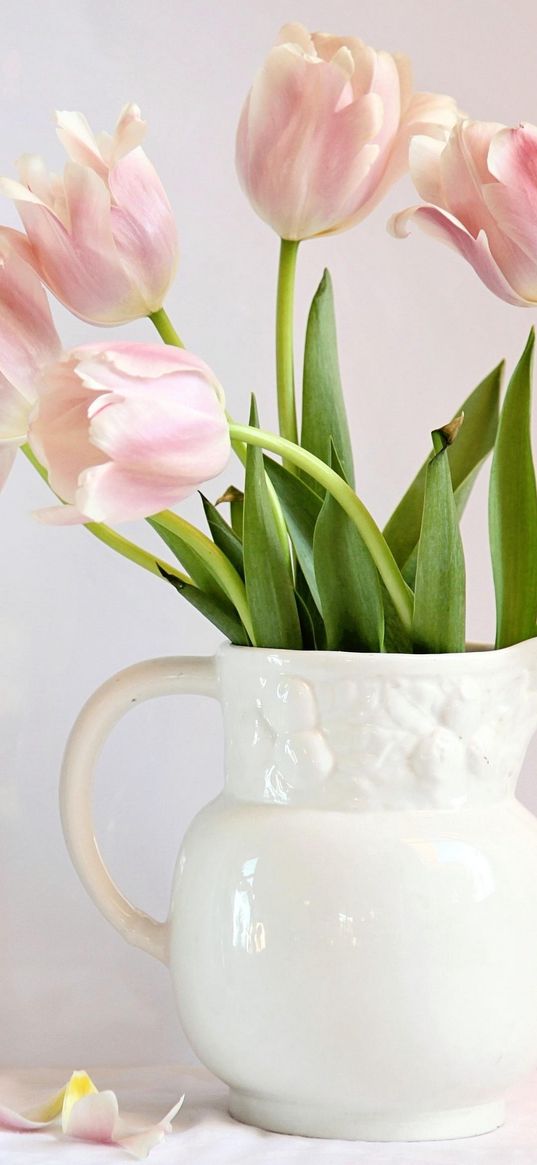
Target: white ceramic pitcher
pixel 353 928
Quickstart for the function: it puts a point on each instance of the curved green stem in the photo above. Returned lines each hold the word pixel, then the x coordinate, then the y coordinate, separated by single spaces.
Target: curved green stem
pixel 285 375
pixel 165 328
pixel 214 559
pixel 112 539
pixel 381 554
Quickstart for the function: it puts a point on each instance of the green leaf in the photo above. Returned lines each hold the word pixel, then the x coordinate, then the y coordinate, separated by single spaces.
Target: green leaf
pixel 269 586
pixel 348 581
pixel 218 611
pixel 224 536
pixel 194 564
pixel 465 456
pixel 513 511
pixel 323 408
pixel 439 602
pixel 301 508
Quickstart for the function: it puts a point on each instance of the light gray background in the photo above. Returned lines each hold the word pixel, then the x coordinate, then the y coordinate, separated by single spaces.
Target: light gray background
pixel 417 332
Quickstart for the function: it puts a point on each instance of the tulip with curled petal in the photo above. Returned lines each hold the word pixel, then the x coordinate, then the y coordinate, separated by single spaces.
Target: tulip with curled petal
pixel 480 189
pixel 126 430
pixel 102 235
pixel 325 130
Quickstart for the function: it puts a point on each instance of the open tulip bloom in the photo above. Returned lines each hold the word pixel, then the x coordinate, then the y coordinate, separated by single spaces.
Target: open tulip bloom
pixel 123 431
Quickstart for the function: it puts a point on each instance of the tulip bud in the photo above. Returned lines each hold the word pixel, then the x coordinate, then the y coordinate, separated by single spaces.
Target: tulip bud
pixel 325 130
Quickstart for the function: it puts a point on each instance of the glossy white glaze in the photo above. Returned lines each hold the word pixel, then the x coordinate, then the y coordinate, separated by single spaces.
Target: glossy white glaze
pixel 352 936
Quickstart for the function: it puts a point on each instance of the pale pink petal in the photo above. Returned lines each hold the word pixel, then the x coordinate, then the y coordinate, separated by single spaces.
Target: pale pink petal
pixel 58 432
pixel 181 435
pixel 35 1118
pixel 15 411
pixel 28 338
pixel 129 133
pixel 61 516
pixel 139 1144
pixel 93 1118
pixel 425 155
pixel 296 34
pixel 10 1120
pixel 98 365
pixel 143 227
pixel 7 457
pixel 109 493
pixel 443 226
pixel 79 141
pixel 512 158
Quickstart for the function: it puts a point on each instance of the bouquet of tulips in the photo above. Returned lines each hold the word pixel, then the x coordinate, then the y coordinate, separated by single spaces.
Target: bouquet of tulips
pixel 122 431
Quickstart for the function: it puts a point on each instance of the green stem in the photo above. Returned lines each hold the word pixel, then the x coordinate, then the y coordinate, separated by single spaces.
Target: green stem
pixel 381 554
pixel 165 328
pixel 215 560
pixel 116 541
pixel 285 376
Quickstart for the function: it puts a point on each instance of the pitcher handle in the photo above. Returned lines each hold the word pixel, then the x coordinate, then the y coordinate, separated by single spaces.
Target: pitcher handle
pixel 183 675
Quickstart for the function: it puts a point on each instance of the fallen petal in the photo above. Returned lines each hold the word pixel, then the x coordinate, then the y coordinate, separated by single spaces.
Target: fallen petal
pixel 35 1118
pixel 93 1118
pixel 139 1144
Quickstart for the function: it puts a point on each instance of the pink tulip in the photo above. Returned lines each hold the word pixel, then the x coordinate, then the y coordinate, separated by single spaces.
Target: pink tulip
pixel 325 130
pixel 28 341
pixel 481 189
pixel 126 430
pixel 103 237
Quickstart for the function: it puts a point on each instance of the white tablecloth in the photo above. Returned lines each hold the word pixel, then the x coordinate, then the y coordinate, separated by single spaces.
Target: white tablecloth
pixel 204 1134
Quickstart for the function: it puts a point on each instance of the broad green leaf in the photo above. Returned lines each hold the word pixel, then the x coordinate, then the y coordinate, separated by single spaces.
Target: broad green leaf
pixel 219 611
pixel 323 408
pixel 439 602
pixel 306 623
pixel 224 536
pixel 513 511
pixel 348 581
pixel 301 508
pixel 269 586
pixel 193 563
pixel 466 456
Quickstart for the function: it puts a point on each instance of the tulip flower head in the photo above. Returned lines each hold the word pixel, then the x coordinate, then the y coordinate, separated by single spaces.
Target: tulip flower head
pixel 103 236
pixel 325 130
pixel 28 341
pixel 126 430
pixel 480 186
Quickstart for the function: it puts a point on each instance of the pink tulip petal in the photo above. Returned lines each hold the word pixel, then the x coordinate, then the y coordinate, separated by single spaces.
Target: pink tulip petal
pixel 8 454
pixel 109 493
pixel 11 1121
pixel 98 365
pixel 425 155
pixel 59 430
pixel 93 1118
pixel 129 133
pixel 79 141
pixel 36 1118
pixel 28 337
pixel 14 411
pixel 143 227
pixel 61 516
pixel 443 226
pixel 139 1144
pixel 162 433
